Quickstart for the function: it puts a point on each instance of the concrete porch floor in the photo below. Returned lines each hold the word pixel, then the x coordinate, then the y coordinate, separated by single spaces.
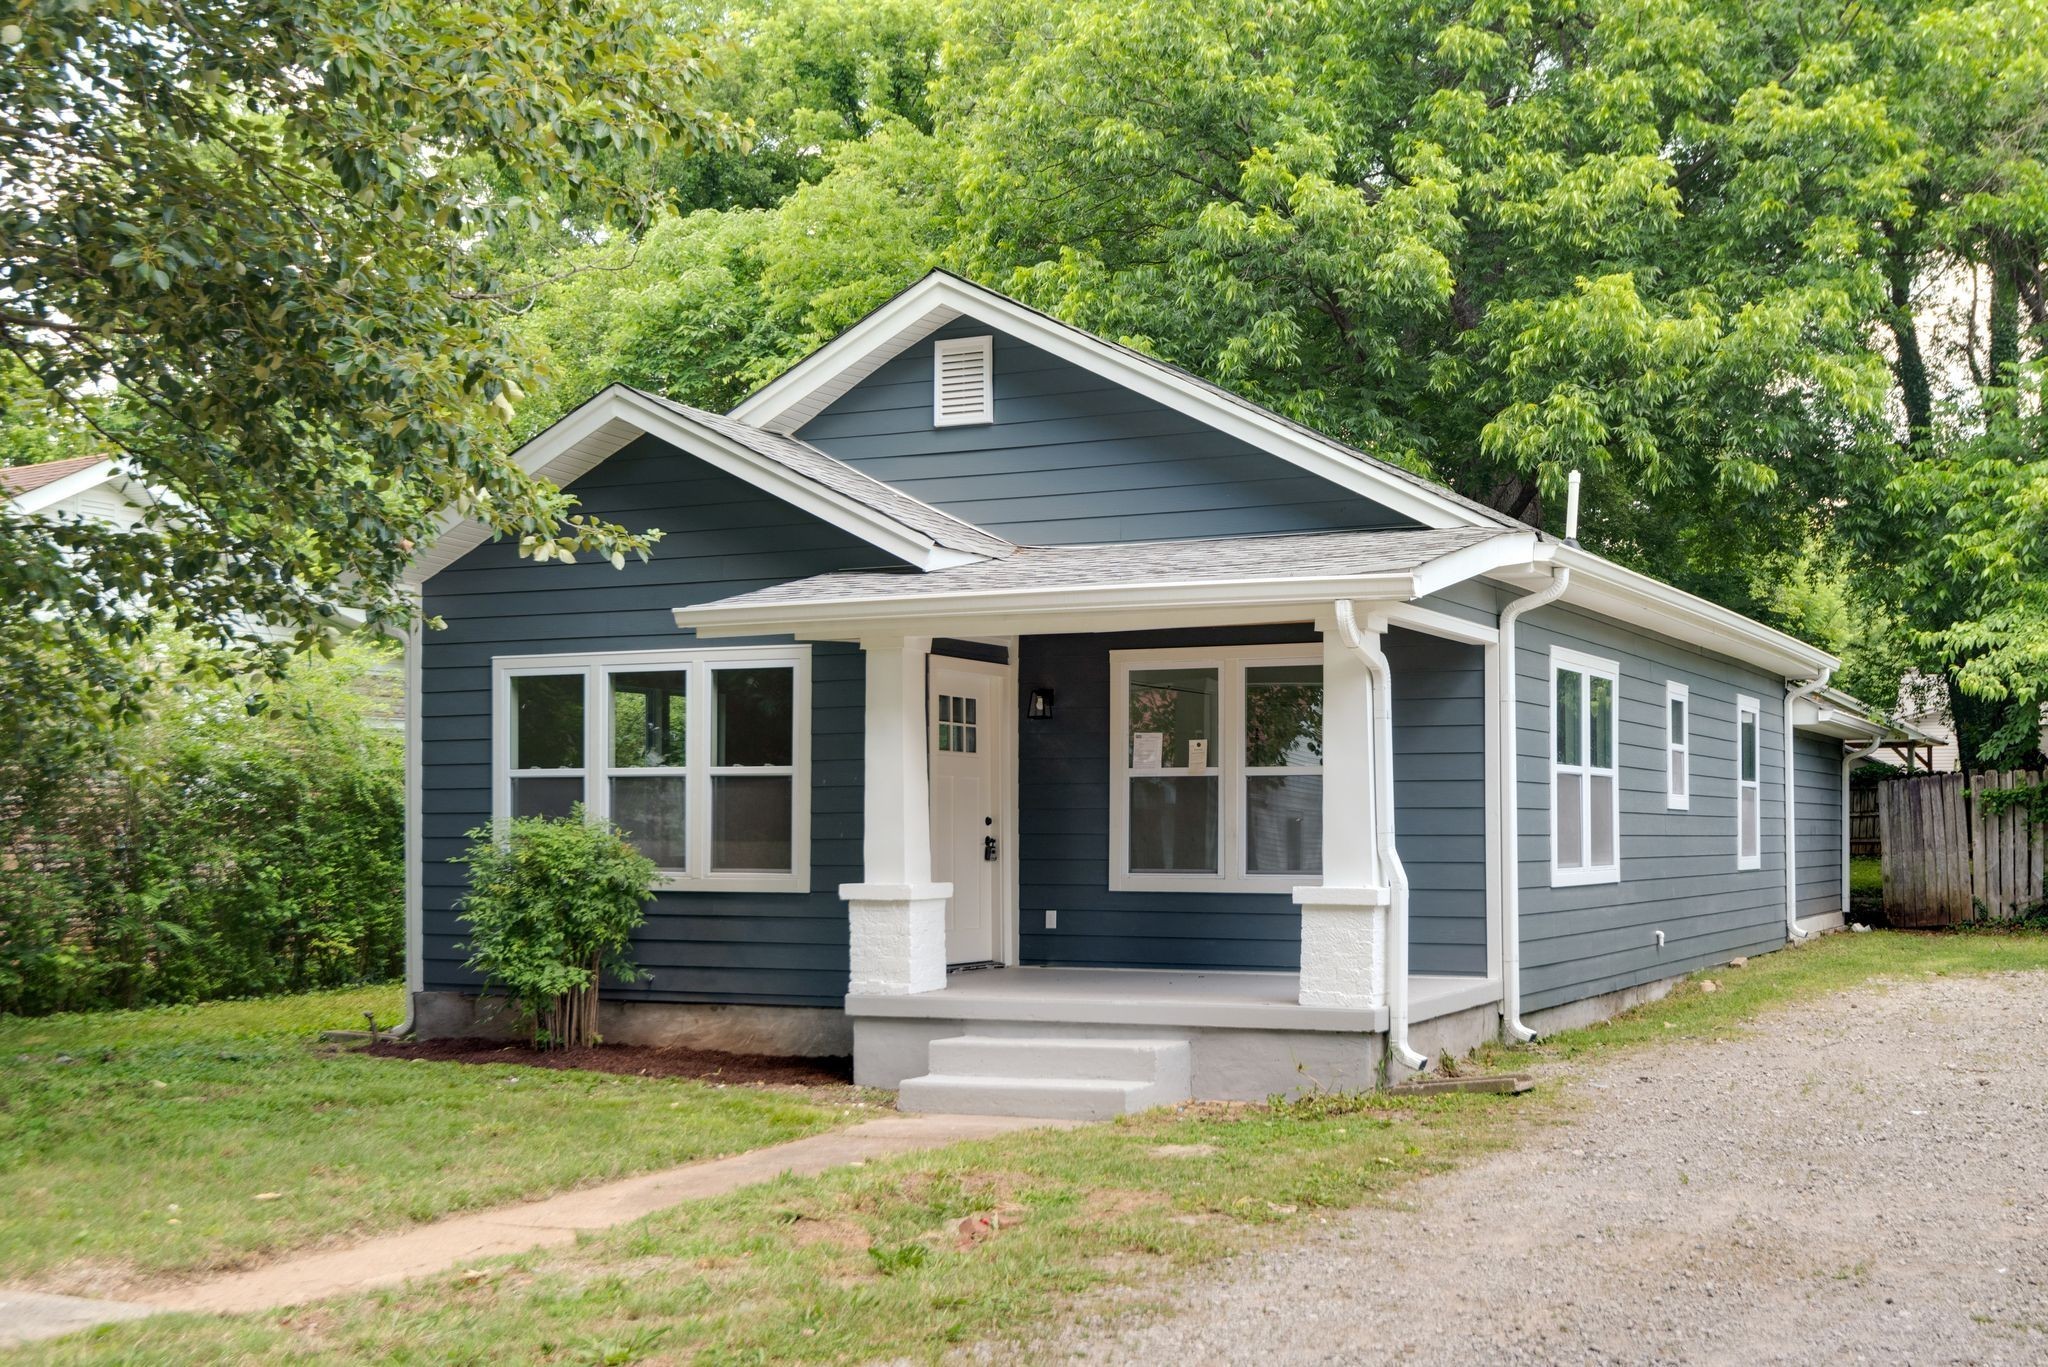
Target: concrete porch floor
pixel 1136 996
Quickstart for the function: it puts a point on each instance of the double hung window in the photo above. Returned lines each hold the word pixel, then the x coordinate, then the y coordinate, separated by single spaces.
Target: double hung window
pixel 1585 788
pixel 701 757
pixel 1217 769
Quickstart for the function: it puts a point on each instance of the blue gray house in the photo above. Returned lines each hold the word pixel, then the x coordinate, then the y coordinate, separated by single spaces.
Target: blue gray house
pixel 1057 732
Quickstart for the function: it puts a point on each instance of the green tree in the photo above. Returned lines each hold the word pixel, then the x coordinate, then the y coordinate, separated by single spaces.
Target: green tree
pixel 247 217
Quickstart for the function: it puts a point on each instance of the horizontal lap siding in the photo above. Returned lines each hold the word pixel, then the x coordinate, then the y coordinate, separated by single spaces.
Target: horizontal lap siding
pixel 1678 871
pixel 1817 766
pixel 1440 798
pixel 1063 821
pixel 1063 830
pixel 1073 458
pixel 720 537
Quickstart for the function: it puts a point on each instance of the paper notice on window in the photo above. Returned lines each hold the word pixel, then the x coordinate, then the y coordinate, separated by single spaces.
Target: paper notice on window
pixel 1148 749
pixel 1198 756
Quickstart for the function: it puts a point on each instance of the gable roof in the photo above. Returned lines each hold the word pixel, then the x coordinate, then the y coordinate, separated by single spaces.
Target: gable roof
pixel 22 479
pixel 810 386
pixel 792 470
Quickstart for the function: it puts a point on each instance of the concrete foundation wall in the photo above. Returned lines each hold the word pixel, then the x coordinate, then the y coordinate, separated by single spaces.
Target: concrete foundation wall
pixel 790 1031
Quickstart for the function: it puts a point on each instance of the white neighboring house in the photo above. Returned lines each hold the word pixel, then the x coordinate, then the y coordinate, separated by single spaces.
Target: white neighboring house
pixel 95 487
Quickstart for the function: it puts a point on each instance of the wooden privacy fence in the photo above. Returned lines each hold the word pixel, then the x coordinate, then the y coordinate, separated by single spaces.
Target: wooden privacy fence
pixel 1946 861
pixel 1866 834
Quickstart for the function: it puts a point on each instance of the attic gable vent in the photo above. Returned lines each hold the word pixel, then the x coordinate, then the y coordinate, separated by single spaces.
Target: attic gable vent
pixel 963 381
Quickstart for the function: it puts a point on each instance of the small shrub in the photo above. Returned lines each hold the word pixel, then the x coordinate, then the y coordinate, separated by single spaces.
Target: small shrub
pixel 551 907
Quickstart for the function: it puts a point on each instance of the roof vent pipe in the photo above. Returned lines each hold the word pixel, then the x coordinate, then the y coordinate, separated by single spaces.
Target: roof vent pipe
pixel 1571 510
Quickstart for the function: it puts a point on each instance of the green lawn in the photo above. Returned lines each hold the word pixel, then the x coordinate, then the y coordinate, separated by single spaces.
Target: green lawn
pixel 135 1143
pixel 865 1264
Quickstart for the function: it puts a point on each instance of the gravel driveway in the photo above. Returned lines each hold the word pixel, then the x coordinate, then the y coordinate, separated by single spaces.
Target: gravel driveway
pixel 1857 1180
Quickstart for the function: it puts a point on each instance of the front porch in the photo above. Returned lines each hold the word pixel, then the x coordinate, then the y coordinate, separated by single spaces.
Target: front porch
pixel 1149 841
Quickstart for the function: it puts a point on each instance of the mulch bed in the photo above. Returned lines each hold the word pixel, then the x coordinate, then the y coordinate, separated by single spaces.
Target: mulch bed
pixel 637 1060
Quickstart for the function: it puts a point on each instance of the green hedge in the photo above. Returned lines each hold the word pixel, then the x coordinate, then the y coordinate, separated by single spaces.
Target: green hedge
pixel 239 841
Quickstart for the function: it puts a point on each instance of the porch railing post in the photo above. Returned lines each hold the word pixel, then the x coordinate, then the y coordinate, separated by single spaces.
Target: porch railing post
pixel 1344 920
pixel 896 914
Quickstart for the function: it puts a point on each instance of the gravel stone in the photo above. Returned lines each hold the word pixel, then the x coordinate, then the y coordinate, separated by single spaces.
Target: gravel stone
pixel 1859 1179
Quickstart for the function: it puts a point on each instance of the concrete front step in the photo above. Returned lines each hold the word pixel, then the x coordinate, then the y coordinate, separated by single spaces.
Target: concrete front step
pixel 1067 1079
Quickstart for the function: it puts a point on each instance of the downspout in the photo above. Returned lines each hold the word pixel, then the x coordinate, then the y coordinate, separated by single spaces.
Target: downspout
pixel 415 949
pixel 1507 782
pixel 1849 762
pixel 1382 760
pixel 1793 695
pixel 1506 785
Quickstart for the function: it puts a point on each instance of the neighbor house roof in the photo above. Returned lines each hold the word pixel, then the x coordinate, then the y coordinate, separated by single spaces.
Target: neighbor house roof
pixel 1311 567
pixel 22 479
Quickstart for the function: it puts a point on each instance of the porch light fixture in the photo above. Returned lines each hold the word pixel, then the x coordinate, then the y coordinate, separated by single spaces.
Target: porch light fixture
pixel 1041 704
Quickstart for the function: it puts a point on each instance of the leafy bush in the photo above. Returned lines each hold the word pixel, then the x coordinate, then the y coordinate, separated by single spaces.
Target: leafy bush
pixel 240 840
pixel 551 906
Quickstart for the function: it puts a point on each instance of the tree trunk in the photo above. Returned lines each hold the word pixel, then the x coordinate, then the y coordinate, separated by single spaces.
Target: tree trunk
pixel 571 1023
pixel 1915 392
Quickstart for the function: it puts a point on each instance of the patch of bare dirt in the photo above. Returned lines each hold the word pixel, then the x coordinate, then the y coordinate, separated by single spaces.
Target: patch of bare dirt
pixel 636 1060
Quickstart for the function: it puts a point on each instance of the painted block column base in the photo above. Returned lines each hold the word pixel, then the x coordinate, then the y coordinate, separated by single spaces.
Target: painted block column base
pixel 898 937
pixel 1343 947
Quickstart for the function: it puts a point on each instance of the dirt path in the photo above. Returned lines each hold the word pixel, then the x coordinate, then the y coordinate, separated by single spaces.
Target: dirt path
pixel 1863 1179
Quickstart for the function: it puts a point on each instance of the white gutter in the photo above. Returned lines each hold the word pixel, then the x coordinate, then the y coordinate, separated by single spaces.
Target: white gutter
pixel 1849 762
pixel 1391 871
pixel 1795 694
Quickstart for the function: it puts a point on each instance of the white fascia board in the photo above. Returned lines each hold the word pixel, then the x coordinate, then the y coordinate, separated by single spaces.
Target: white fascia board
pixel 786 403
pixel 848 618
pixel 622 407
pixel 72 485
pixel 1626 596
pixel 1485 557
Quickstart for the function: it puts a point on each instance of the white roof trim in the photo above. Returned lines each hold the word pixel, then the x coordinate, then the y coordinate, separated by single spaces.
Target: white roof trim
pixel 1626 596
pixel 618 415
pixel 807 388
pixel 78 482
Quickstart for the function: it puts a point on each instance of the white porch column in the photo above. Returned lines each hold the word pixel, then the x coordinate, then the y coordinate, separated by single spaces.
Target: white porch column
pixel 1344 921
pixel 897 914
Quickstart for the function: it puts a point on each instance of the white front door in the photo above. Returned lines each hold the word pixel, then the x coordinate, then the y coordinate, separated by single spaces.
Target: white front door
pixel 965 731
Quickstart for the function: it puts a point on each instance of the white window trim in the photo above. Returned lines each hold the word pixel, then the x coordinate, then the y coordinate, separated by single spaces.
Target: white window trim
pixel 597 771
pixel 983 347
pixel 1227 762
pixel 1748 706
pixel 1681 799
pixel 1590 667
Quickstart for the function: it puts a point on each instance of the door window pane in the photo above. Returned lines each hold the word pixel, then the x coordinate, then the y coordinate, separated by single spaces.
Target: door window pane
pixel 1571 820
pixel 1177 705
pixel 1603 725
pixel 751 823
pixel 545 796
pixel 1570 736
pixel 1283 716
pixel 1678 721
pixel 1174 824
pixel 756 709
pixel 651 810
pixel 1284 823
pixel 650 719
pixel 547 730
pixel 1748 748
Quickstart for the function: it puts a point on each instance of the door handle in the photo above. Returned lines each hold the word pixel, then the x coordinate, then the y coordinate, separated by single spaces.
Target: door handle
pixel 988 848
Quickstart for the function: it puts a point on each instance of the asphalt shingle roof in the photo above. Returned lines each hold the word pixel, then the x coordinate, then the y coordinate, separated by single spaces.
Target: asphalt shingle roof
pixel 21 479
pixel 1129 564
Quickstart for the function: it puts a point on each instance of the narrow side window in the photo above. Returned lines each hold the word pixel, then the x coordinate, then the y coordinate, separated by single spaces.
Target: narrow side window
pixel 1677 746
pixel 1748 785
